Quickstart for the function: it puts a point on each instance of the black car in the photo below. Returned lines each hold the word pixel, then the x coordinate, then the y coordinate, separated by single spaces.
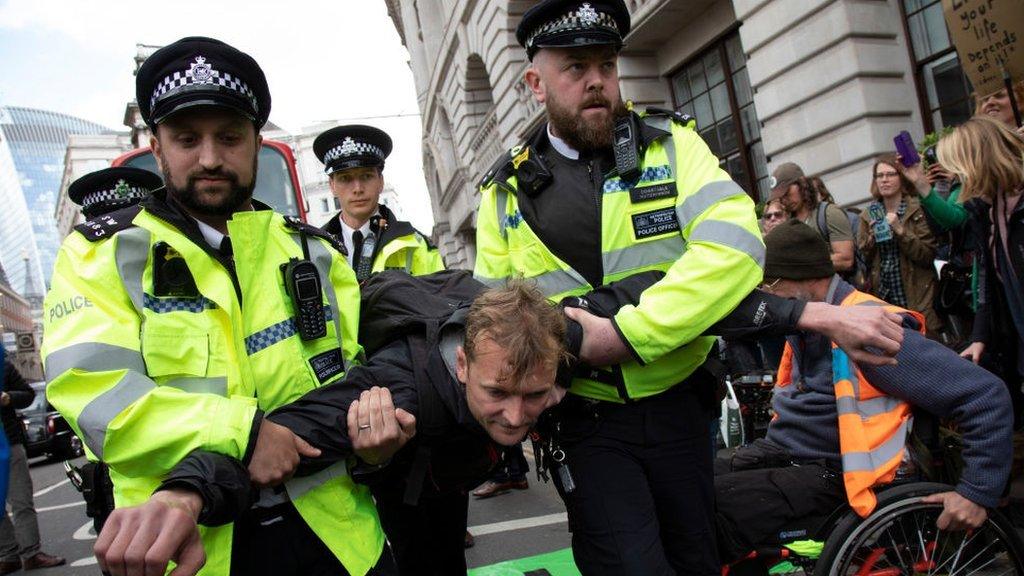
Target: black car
pixel 46 431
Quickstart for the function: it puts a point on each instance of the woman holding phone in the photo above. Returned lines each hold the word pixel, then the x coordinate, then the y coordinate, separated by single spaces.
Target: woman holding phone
pixel 898 244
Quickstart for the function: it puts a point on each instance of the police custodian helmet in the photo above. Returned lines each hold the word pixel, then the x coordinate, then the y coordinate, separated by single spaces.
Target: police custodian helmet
pixel 198 71
pixel 352 146
pixel 112 188
pixel 571 23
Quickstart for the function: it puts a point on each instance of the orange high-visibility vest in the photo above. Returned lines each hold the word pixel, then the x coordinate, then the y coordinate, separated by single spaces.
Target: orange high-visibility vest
pixel 873 425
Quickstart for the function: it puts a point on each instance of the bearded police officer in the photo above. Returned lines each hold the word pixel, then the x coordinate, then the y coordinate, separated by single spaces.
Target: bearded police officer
pixel 203 309
pixel 353 158
pixel 596 193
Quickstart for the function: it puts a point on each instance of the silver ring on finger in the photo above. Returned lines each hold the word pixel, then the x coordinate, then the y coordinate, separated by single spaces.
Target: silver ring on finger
pixel 364 427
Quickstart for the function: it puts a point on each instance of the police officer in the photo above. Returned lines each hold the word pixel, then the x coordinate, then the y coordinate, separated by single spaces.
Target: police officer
pixel 200 309
pixel 596 193
pixel 110 189
pixel 353 158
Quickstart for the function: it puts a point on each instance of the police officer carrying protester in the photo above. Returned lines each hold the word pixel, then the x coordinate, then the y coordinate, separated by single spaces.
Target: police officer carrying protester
pixel 596 193
pixel 353 158
pixel 200 310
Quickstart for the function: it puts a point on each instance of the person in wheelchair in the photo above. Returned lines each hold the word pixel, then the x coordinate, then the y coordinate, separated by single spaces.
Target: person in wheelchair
pixel 840 428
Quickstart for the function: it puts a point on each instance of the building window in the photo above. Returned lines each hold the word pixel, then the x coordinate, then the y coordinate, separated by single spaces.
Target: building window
pixel 942 87
pixel 715 89
pixel 337 203
pixel 325 205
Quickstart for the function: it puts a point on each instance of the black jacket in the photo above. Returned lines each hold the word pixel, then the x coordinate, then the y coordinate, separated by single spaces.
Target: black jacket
pixel 994 322
pixel 21 396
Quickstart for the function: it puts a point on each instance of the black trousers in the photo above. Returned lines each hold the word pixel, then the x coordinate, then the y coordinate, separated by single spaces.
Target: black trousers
pixel 428 538
pixel 763 499
pixel 278 542
pixel 644 498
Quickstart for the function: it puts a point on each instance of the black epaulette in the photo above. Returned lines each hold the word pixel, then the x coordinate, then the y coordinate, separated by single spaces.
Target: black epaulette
pixel 679 117
pixel 301 226
pixel 106 225
pixel 501 169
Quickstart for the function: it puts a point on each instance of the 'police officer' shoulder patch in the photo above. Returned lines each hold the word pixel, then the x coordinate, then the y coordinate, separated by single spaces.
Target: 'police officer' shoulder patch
pixel 655 222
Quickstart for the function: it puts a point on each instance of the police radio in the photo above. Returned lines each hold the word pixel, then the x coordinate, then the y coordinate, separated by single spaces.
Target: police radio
pixel 627 152
pixel 302 282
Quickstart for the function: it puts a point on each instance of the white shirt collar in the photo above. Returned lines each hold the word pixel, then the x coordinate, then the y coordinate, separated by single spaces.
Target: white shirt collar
pixel 346 233
pixel 562 147
pixel 212 236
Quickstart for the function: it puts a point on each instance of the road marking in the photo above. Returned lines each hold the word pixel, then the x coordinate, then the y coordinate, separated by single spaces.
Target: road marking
pixel 52 488
pixel 520 524
pixel 61 506
pixel 85 532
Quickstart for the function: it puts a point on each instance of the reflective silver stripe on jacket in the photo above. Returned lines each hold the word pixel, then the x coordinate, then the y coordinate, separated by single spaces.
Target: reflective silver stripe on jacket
pixel 866 408
pixel 709 194
pixel 198 385
pixel 875 459
pixel 558 281
pixel 131 255
pixel 95 418
pixel 93 357
pixel 501 208
pixel 731 235
pixel 298 487
pixel 491 282
pixel 643 255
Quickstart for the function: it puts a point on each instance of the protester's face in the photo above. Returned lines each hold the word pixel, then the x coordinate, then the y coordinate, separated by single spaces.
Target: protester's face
pixel 791 199
pixel 774 214
pixel 785 288
pixel 208 159
pixel 505 409
pixel 887 178
pixel 997 106
pixel 579 87
pixel 358 190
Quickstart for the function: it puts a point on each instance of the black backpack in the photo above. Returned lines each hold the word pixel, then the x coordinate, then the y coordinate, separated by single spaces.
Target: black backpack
pixel 395 305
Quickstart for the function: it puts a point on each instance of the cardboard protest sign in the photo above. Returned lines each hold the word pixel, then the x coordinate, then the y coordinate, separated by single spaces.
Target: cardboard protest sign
pixel 987 34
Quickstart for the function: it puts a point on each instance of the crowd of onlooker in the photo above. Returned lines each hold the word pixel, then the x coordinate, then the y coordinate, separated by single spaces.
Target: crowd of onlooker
pixel 943 236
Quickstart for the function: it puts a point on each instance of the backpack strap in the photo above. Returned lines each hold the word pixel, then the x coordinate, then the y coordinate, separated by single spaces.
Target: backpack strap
pixel 823 222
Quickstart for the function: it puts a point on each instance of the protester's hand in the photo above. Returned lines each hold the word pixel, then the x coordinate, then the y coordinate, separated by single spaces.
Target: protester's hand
pixel 378 429
pixel 5 398
pixel 277 454
pixel 894 222
pixel 857 328
pixel 937 173
pixel 958 513
pixel 601 343
pixel 915 174
pixel 974 352
pixel 141 540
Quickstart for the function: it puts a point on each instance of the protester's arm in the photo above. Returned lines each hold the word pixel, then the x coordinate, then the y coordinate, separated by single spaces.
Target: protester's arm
pixel 721 265
pixel 99 380
pixel 947 213
pixel 934 378
pixel 20 393
pixel 840 238
pixel 321 416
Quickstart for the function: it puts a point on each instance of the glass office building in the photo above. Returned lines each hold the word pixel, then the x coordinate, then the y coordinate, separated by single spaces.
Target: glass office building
pixel 32 147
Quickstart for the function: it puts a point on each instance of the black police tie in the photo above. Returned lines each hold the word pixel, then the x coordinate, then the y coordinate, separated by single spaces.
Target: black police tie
pixel 225 247
pixel 362 262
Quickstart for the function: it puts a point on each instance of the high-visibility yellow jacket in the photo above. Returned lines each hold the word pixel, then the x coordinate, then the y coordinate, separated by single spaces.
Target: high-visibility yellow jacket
pixel 156 345
pixel 873 425
pixel 399 247
pixel 684 216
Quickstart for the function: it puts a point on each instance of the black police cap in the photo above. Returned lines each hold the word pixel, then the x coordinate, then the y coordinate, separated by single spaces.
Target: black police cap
pixel 198 71
pixel 352 146
pixel 112 188
pixel 572 23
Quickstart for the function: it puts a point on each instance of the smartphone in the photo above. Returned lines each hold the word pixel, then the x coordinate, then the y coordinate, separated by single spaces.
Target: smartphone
pixel 880 226
pixel 930 157
pixel 906 149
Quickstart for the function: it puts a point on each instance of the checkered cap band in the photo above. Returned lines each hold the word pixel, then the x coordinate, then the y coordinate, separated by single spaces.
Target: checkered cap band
pixel 113 194
pixel 174 83
pixel 352 149
pixel 574 21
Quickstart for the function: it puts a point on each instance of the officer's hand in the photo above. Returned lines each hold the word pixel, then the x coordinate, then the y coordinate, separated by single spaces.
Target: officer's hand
pixel 857 328
pixel 141 540
pixel 277 454
pixel 958 513
pixel 601 343
pixel 378 429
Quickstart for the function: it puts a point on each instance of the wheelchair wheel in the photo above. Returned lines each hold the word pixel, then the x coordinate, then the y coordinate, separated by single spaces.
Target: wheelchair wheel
pixel 900 539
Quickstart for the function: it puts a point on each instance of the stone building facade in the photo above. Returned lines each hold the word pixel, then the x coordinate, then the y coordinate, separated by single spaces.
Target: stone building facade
pixel 824 83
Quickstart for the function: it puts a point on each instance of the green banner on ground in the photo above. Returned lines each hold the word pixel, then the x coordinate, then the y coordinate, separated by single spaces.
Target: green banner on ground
pixel 558 563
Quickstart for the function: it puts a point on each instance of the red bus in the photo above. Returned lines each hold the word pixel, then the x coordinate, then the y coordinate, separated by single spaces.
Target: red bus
pixel 277 182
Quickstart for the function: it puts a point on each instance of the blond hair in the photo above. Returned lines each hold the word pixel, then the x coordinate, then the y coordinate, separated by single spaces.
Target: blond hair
pixel 520 321
pixel 986 154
